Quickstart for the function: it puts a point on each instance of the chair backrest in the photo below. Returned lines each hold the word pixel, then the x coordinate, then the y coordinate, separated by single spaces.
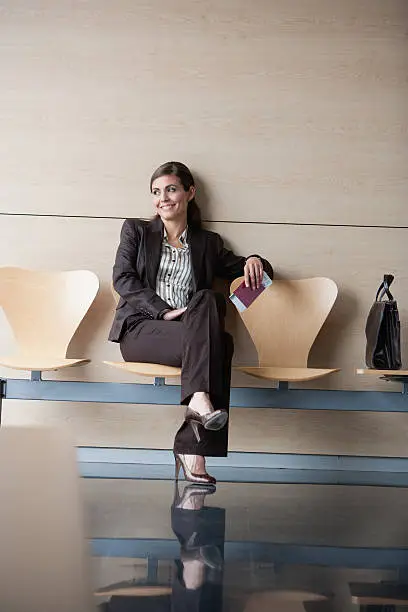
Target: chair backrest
pixel 44 309
pixel 285 319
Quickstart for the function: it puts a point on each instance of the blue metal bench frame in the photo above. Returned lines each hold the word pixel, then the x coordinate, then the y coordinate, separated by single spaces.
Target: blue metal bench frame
pixel 241 397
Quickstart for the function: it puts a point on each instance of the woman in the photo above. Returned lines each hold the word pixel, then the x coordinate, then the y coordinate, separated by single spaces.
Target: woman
pixel 168 313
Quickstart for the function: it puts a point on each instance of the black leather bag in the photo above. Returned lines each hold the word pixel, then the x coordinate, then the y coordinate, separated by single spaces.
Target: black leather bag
pixel 383 351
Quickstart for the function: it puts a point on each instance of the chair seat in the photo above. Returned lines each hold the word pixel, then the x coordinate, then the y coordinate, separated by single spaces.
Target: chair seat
pixel 287 374
pixel 41 363
pixel 379 594
pixel 146 369
pixel 134 590
pixel 378 601
pixel 372 372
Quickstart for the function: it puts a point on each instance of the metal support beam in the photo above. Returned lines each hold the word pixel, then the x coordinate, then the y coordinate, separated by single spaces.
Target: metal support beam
pixel 241 397
pixel 2 394
pixel 152 569
pixel 159 381
pixel 282 385
pixel 35 375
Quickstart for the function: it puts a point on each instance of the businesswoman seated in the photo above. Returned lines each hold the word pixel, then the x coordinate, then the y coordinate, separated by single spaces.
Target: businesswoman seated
pixel 167 313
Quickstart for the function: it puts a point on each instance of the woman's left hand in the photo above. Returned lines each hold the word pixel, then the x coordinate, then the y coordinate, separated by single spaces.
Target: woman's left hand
pixel 253 272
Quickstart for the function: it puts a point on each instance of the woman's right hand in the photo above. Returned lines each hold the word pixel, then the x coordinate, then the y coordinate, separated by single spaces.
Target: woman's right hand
pixel 170 315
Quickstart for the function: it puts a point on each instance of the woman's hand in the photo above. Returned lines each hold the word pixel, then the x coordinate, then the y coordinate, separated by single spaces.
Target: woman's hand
pixel 253 272
pixel 170 315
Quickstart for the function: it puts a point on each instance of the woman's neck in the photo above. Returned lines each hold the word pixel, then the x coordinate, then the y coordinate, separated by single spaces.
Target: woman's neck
pixel 175 228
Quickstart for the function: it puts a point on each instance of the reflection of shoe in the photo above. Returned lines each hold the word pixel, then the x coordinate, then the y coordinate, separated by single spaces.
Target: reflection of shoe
pixel 190 492
pixel 203 479
pixel 208 555
pixel 213 421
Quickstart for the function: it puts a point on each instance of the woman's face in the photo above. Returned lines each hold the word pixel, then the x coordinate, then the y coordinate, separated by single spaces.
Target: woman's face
pixel 170 200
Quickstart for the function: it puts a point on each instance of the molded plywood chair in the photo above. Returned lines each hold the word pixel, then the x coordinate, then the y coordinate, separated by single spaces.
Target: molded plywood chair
pixel 154 370
pixel 44 309
pixel 283 323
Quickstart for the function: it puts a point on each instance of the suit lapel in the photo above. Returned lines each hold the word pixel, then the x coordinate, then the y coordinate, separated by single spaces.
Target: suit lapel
pixel 196 241
pixel 154 239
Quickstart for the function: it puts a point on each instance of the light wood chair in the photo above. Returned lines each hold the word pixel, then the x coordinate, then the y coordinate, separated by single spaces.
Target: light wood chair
pixel 44 309
pixel 151 370
pixel 283 323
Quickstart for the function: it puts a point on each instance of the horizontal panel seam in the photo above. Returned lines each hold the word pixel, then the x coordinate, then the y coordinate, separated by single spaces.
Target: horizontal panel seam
pixel 228 221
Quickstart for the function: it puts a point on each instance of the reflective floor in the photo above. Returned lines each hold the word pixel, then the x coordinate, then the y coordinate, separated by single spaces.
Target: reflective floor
pixel 247 547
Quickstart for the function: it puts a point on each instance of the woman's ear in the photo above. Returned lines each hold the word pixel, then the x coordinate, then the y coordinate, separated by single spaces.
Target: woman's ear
pixel 191 193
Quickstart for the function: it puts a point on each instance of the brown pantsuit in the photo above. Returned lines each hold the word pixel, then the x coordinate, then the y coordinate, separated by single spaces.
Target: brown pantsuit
pixel 197 341
pixel 199 344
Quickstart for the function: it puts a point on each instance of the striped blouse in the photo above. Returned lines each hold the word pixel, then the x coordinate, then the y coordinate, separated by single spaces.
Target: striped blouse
pixel 174 282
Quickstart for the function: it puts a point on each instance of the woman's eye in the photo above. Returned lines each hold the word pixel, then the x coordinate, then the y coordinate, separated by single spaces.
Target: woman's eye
pixel 155 192
pixel 172 189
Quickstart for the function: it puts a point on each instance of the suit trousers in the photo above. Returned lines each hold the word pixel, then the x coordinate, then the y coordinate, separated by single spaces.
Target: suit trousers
pixel 198 343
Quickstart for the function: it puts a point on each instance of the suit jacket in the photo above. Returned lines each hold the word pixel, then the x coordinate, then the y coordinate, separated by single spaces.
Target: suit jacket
pixel 137 262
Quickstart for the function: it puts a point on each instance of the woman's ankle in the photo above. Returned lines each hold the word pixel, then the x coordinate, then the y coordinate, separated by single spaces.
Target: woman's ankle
pixel 196 463
pixel 200 402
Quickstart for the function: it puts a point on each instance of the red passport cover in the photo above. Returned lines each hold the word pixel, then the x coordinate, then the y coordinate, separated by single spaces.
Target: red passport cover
pixel 244 296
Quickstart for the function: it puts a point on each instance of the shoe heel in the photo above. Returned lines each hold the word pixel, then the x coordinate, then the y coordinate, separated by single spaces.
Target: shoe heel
pixel 194 427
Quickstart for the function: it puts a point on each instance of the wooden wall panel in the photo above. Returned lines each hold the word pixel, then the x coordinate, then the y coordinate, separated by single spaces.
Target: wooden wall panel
pixel 289 112
pixel 260 430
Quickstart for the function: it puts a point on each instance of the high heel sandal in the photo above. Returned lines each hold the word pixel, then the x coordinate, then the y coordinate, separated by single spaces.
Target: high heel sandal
pixel 201 479
pixel 213 421
pixel 191 491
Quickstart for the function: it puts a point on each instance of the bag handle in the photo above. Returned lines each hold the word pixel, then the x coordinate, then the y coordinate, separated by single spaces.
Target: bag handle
pixel 384 288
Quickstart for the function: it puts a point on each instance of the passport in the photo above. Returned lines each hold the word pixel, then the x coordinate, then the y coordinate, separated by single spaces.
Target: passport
pixel 243 296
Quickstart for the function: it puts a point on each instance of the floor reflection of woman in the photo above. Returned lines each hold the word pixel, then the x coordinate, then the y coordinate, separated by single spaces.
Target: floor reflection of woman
pixel 197 586
pixel 197 580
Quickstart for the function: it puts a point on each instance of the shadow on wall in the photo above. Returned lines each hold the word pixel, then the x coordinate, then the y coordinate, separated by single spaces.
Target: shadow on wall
pixel 339 323
pixel 99 316
pixel 204 196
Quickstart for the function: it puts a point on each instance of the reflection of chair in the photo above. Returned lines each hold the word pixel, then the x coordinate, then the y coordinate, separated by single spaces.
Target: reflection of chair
pixel 44 309
pixel 281 601
pixel 379 594
pixel 284 322
pixel 154 370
